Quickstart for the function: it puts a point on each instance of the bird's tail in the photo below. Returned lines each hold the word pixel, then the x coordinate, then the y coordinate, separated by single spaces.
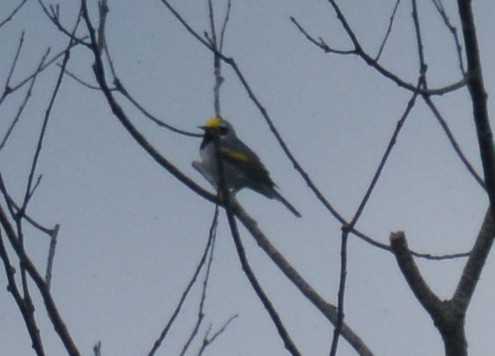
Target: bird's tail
pixel 288 205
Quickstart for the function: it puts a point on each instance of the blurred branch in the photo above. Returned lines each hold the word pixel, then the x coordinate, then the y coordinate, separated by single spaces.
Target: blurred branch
pixel 372 62
pixel 51 308
pixel 122 90
pixel 208 247
pixel 453 30
pixel 14 209
pixel 346 229
pixel 41 69
pixel 97 349
pixel 448 319
pixel 472 270
pixel 51 256
pixel 27 312
pixel 455 145
pixel 201 313
pixel 24 102
pixel 228 201
pixel 53 13
pixel 389 30
pixel 483 244
pixel 16 239
pixel 341 292
pixel 231 62
pixel 412 275
pixel 12 14
pixel 327 309
pixel 207 341
pixel 119 86
pixel 7 88
pixel 99 71
pixel 29 187
pixel 478 97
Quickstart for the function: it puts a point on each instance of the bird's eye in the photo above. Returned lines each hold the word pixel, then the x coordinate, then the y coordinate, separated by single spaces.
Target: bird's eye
pixel 224 130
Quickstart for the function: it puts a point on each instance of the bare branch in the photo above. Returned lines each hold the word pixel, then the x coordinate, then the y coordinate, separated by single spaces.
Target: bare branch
pixel 201 313
pixel 453 141
pixel 54 15
pixel 41 69
pixel 119 113
pixel 51 256
pixel 327 309
pixel 474 265
pixel 224 28
pixel 389 30
pixel 122 90
pixel 29 190
pixel 208 247
pixel 51 308
pixel 359 51
pixel 231 62
pixel 411 273
pixel 24 102
pixel 12 14
pixel 8 89
pixel 453 30
pixel 341 293
pixel 228 201
pixel 207 341
pixel 103 12
pixel 320 43
pixel 26 312
pixel 447 317
pixel 479 98
pixel 97 349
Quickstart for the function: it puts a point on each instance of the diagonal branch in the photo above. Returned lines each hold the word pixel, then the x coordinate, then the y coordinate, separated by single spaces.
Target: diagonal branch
pixel 479 97
pixel 474 265
pixel 412 275
pixel 50 305
pixel 224 193
pixel 372 62
pixel 327 309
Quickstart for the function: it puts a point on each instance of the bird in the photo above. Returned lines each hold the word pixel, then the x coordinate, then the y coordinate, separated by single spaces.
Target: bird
pixel 241 165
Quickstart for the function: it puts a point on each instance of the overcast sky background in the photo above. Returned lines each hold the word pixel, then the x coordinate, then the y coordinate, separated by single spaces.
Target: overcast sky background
pixel 131 234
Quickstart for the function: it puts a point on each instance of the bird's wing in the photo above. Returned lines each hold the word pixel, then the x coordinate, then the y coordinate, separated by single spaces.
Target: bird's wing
pixel 249 163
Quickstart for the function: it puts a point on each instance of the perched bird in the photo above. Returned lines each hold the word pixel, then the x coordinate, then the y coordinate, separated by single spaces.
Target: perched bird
pixel 242 167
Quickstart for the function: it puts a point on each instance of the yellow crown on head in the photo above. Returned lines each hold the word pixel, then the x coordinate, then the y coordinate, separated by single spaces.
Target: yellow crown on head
pixel 214 122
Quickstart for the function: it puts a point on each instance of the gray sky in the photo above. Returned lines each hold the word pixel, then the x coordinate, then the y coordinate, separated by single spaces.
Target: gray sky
pixel 131 234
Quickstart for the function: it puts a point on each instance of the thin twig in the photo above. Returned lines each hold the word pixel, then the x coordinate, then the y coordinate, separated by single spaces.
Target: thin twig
pixel 224 26
pixel 97 349
pixel 164 332
pixel 341 293
pixel 455 145
pixel 201 313
pixel 26 313
pixel 453 30
pixel 54 15
pixel 51 307
pixel 389 30
pixel 8 90
pixel 29 190
pixel 51 256
pixel 207 341
pixel 41 69
pixel 122 90
pixel 12 14
pixel 369 60
pixel 21 108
